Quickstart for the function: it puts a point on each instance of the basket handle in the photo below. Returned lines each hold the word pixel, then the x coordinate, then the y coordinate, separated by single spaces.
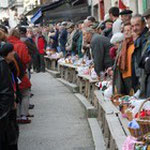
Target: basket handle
pixel 142 106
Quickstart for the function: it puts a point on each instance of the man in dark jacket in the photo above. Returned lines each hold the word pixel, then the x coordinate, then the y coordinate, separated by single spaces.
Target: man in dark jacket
pixel 55 38
pixel 108 30
pixel 63 37
pixel 33 51
pixel 6 103
pixel 100 46
pixel 145 60
pixel 141 46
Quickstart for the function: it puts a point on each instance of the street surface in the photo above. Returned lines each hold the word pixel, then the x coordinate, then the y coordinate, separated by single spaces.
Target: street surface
pixel 60 122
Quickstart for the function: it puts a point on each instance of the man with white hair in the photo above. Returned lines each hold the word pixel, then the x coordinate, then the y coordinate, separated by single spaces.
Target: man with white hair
pixel 100 46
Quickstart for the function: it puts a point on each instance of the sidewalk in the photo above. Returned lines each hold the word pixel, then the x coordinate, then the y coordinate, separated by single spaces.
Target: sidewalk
pixel 59 123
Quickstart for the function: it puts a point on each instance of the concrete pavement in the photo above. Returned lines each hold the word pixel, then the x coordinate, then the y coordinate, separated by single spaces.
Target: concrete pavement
pixel 60 122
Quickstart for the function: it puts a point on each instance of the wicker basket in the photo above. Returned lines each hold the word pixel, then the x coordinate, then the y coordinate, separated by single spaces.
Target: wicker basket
pixel 135 132
pixel 143 122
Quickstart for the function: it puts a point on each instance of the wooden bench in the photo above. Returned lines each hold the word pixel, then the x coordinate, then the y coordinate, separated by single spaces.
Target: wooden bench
pixel 113 126
pixel 51 63
pixel 68 72
pixel 87 86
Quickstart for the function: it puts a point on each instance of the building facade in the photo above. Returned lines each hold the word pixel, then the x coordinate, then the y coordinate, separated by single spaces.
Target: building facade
pixel 99 8
pixel 5 8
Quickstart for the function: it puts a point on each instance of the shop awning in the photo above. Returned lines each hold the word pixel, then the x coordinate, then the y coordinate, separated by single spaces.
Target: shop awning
pixel 36 16
pixel 65 12
pixel 58 9
pixel 33 11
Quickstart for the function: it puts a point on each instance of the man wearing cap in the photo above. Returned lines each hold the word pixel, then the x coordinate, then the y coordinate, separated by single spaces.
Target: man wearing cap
pixel 63 37
pixel 108 28
pixel 100 27
pixel 126 15
pixel 71 31
pixel 147 16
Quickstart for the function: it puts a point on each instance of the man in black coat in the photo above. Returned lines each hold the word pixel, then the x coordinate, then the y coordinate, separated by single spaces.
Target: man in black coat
pixel 141 50
pixel 100 46
pixel 6 101
pixel 63 37
pixel 8 126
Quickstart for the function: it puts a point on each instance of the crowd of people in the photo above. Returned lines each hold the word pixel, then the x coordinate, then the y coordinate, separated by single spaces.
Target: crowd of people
pixel 119 46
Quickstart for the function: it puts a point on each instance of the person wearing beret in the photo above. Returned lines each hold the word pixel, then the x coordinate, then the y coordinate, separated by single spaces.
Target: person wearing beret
pixel 126 15
pixel 63 37
pixel 108 30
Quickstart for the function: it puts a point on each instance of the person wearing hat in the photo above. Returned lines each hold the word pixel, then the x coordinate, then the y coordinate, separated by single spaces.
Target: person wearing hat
pixel 98 27
pixel 147 17
pixel 71 31
pixel 8 125
pixel 126 15
pixel 108 28
pixel 78 40
pixel 63 37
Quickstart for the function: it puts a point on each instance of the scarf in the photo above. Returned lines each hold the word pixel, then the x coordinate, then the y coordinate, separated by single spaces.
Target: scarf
pixel 122 59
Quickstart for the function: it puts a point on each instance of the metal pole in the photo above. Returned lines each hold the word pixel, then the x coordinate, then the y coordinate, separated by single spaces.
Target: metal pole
pixel 137 7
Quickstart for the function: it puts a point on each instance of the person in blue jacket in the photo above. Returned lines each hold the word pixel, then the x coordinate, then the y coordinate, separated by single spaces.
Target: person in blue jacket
pixel 63 37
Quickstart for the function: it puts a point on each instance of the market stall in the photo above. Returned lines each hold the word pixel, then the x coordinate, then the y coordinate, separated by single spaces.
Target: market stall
pixel 68 72
pixel 87 86
pixel 124 119
pixel 114 128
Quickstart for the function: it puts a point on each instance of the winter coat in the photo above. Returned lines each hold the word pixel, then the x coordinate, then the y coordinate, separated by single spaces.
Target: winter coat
pixel 108 33
pixel 138 75
pixel 6 89
pixel 55 40
pixel 77 41
pixel 100 46
pixel 41 44
pixel 30 45
pixel 122 81
pixel 116 26
pixel 70 40
pixel 63 39
pixel 22 51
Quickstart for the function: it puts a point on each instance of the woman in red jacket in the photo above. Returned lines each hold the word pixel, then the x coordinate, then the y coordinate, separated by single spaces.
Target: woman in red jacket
pixel 25 85
pixel 40 43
